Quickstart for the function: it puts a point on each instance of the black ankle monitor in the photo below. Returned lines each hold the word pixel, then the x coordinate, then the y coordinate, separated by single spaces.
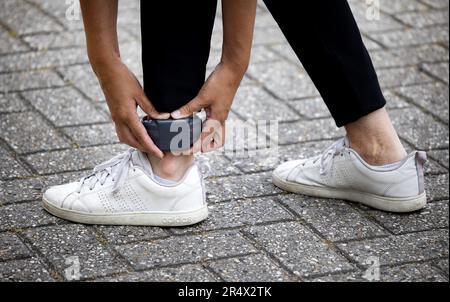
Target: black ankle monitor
pixel 174 135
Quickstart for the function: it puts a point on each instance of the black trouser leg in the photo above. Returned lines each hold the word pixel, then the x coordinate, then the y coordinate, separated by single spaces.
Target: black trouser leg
pixel 326 38
pixel 176 36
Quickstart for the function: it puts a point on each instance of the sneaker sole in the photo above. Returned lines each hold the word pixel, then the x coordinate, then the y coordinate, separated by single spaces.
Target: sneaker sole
pixel 163 219
pixel 388 204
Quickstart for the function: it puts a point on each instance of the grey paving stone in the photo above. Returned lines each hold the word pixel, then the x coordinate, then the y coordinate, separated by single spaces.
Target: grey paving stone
pixel 10 167
pixel 214 164
pixel 285 51
pixel 24 18
pixel 434 216
pixel 285 80
pixel 263 54
pixel 260 54
pixel 11 103
pixel 298 248
pixel 436 3
pixel 384 23
pixel 336 220
pixel 29 189
pixel 92 134
pixel 245 186
pixel 18 81
pixel 25 215
pixel 58 9
pixel 404 38
pixel 82 77
pixel 443 265
pixel 265 19
pixel 252 102
pixel 442 156
pixel 268 35
pixel 316 107
pixel 72 159
pixel 267 160
pixel 311 107
pixel 438 70
pixel 395 77
pixel 131 56
pixel 10 43
pixel 401 6
pixel 185 249
pixel 239 213
pixel 214 59
pixel 93 92
pixel 183 273
pixel 408 56
pixel 425 18
pixel 127 234
pixel 371 45
pixel 11 247
pixel 308 130
pixel 249 134
pixel 420 129
pixel 42 59
pixel 56 40
pixel 399 249
pixel 432 97
pixel 26 270
pixel 422 272
pixel 251 268
pixel 436 187
pixel 394 101
pixel 29 132
pixel 37 34
pixel 71 107
pixel 433 167
pixel 78 75
pixel 57 243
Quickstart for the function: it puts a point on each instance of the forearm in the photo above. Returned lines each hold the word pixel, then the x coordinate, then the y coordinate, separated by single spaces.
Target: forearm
pixel 238 25
pixel 100 23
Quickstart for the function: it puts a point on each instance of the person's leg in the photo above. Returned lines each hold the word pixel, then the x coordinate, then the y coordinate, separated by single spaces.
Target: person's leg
pixel 370 165
pixel 133 188
pixel 176 38
pixel 326 38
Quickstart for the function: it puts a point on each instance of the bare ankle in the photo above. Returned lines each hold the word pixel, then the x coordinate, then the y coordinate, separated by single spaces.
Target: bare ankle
pixel 171 167
pixel 378 154
pixel 374 138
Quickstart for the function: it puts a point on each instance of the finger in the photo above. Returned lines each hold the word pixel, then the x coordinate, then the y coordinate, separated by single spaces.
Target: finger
pixel 125 136
pixel 143 138
pixel 196 148
pixel 195 105
pixel 148 108
pixel 213 135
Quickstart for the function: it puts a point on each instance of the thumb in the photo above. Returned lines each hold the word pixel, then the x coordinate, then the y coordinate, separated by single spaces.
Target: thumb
pixel 195 105
pixel 148 108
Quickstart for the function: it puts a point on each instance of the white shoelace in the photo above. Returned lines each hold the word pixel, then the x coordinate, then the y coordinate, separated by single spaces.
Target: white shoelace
pixel 117 168
pixel 327 157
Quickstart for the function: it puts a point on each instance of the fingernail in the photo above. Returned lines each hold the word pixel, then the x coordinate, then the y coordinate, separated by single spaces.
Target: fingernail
pixel 176 114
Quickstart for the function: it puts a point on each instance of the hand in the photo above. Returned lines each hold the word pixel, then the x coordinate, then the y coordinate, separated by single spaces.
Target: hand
pixel 123 94
pixel 215 97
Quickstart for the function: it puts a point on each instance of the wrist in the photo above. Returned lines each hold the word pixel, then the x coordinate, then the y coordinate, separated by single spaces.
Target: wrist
pixel 235 69
pixel 101 62
pixel 238 65
pixel 104 65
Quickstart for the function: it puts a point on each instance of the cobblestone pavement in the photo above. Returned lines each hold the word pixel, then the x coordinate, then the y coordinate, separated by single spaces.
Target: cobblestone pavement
pixel 54 126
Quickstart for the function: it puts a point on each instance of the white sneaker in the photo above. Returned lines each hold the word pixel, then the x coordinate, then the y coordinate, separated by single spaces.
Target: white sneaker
pixel 340 173
pixel 122 191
